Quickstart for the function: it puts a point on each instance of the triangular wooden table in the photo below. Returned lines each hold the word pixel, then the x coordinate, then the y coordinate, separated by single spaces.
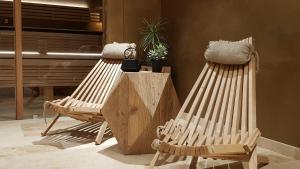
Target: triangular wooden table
pixel 137 104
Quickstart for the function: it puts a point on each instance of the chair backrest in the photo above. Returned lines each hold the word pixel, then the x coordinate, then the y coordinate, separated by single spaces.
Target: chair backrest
pixel 222 101
pixel 97 84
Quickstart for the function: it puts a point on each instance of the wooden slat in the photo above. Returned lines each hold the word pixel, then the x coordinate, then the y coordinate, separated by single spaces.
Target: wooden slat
pixel 224 103
pixel 90 80
pixel 107 83
pixel 229 110
pixel 109 86
pixel 237 106
pixel 99 82
pixel 102 83
pixel 244 117
pixel 252 96
pixel 212 100
pixel 103 72
pixel 75 93
pixel 218 104
pixel 53 42
pixel 52 12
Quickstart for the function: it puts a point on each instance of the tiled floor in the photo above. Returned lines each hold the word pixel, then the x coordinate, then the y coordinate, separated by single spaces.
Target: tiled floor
pixel 32 106
pixel 21 147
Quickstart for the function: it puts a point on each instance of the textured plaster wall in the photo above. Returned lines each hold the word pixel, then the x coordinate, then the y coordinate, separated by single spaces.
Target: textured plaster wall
pixel 275 26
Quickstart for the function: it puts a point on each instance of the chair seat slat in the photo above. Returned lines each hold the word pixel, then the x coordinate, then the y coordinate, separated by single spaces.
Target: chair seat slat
pixel 98 64
pixel 225 99
pixel 252 96
pixel 95 82
pixel 108 84
pixel 212 100
pixel 244 117
pixel 100 75
pixel 237 105
pixel 104 84
pixel 86 82
pixel 217 106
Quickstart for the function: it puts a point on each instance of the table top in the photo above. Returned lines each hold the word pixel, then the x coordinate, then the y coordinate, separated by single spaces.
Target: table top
pixel 148 69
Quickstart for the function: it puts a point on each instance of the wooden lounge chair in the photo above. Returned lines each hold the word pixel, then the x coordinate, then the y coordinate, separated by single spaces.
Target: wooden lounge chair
pixel 218 118
pixel 87 100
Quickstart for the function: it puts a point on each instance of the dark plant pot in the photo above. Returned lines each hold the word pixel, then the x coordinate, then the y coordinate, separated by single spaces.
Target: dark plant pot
pixel 157 65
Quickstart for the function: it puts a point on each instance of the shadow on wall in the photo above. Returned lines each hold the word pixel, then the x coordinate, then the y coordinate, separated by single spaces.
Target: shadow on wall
pixel 272 23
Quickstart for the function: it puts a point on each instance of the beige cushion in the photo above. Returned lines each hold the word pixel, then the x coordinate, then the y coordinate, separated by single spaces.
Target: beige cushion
pixel 225 52
pixel 116 50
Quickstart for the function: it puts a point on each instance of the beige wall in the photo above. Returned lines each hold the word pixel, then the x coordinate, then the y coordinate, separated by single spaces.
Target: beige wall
pixel 275 26
pixel 273 23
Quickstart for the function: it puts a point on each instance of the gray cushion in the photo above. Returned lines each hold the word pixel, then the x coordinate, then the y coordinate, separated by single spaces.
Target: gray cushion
pixel 116 50
pixel 226 52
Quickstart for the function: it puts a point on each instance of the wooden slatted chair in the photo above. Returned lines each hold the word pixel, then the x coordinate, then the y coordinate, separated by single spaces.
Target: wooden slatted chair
pixel 218 118
pixel 87 100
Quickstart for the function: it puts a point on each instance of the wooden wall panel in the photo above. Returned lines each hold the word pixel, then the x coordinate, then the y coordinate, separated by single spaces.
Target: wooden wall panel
pixel 52 42
pixel 114 22
pixel 123 18
pixel 50 12
pixel 43 16
pixel 45 72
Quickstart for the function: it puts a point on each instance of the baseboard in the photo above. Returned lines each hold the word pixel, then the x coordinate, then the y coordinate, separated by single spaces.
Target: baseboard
pixel 284 149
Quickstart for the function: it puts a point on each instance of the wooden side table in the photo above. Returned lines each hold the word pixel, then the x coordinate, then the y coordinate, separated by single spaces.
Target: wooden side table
pixel 138 103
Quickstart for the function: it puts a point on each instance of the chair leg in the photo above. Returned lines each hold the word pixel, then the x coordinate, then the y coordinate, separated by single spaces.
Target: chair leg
pixel 252 164
pixel 154 160
pixel 50 126
pixel 101 133
pixel 193 164
pixel 262 160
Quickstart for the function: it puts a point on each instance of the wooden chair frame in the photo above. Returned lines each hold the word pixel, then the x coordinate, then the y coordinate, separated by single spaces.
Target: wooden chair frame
pixel 86 102
pixel 217 119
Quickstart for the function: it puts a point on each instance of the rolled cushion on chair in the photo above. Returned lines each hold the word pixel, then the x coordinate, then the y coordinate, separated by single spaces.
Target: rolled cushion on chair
pixel 116 50
pixel 226 52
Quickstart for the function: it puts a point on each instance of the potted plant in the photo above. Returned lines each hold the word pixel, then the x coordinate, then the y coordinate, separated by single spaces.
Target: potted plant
pixel 154 43
pixel 157 55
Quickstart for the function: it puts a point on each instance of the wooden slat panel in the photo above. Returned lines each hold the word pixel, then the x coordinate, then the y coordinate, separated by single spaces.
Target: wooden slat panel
pixel 52 12
pixel 53 42
pixel 44 73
